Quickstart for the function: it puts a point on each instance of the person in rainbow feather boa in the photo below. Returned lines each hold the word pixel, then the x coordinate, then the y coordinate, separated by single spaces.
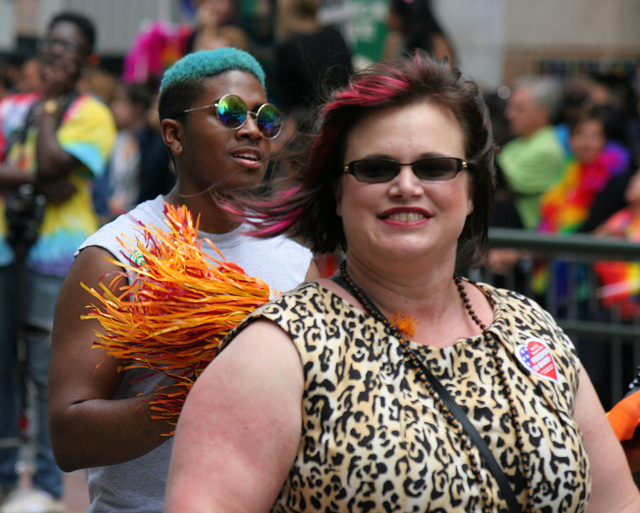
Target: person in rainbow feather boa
pixel 594 161
pixel 588 192
pixel 571 204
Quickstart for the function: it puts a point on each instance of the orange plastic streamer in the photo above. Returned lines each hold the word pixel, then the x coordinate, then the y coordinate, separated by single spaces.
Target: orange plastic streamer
pixel 624 417
pixel 176 307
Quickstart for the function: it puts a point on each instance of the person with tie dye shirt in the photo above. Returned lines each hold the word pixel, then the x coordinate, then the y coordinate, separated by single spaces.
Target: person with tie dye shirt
pixel 53 143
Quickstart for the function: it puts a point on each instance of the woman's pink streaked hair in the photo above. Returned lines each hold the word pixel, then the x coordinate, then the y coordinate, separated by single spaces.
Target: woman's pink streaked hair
pixel 303 205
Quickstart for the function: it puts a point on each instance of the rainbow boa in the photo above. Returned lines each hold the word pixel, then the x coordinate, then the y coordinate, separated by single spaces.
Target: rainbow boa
pixel 565 206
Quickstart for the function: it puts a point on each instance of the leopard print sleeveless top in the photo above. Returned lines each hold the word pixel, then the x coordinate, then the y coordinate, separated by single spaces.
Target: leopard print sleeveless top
pixel 373 439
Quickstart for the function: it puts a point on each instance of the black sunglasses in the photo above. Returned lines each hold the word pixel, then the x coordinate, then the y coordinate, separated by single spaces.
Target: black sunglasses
pixel 232 113
pixel 435 169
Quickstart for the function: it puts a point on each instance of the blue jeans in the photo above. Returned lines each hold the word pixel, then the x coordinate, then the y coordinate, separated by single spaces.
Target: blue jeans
pixel 37 344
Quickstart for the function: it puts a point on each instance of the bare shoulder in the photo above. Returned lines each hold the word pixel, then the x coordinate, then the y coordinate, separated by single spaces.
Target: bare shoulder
pixel 91 266
pixel 73 357
pixel 613 488
pixel 261 349
pixel 94 259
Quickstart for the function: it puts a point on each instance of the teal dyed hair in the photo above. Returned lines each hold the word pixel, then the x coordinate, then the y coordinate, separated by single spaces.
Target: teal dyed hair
pixel 208 63
pixel 183 83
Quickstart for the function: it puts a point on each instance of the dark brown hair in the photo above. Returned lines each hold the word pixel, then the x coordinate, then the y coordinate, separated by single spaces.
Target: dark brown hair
pixel 305 206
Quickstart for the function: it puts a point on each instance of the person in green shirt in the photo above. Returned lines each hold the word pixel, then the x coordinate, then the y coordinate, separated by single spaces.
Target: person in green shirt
pixel 533 161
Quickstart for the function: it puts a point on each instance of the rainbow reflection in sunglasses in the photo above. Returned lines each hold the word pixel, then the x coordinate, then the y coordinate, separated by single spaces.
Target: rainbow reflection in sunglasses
pixel 232 113
pixel 432 169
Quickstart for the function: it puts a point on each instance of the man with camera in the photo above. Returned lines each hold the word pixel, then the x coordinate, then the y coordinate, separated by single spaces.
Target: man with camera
pixel 52 144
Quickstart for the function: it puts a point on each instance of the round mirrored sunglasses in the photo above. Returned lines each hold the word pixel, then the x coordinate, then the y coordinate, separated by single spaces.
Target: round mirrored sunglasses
pixel 232 112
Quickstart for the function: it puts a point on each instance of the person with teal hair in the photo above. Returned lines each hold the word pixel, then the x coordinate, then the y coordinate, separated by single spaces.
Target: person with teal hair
pixel 218 126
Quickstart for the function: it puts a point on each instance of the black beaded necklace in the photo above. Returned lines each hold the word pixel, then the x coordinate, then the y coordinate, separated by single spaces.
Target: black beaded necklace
pixel 373 310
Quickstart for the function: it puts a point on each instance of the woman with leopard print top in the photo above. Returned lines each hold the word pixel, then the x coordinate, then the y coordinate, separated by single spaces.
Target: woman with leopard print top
pixel 344 394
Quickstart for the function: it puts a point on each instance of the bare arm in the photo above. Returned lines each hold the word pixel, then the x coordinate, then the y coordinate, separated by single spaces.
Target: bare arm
pixel 11 177
pixel 613 489
pixel 53 161
pixel 241 424
pixel 59 77
pixel 56 190
pixel 88 427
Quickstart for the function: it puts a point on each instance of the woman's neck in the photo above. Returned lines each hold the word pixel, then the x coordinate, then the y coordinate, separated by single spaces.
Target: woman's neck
pixel 430 301
pixel 393 289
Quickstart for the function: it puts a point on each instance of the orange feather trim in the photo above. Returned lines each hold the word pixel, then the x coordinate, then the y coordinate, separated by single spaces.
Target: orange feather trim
pixel 177 306
pixel 405 323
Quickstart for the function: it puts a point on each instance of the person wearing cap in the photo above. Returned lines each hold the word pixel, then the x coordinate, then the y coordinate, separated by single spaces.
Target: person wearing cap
pixel 218 126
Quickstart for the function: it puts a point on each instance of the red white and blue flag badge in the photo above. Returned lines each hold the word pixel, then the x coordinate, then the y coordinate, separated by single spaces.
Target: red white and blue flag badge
pixel 535 356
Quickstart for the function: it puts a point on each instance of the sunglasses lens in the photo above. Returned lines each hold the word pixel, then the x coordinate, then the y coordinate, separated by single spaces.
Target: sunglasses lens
pixel 381 170
pixel 436 169
pixel 232 111
pixel 374 170
pixel 269 120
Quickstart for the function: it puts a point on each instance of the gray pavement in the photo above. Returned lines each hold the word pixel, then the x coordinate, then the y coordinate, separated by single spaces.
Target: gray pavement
pixel 76 496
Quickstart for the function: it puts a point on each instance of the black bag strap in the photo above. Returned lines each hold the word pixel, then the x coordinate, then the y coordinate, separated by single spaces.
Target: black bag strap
pixel 472 432
pixel 458 412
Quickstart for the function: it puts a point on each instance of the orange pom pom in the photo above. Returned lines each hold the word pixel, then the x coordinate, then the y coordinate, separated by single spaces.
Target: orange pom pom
pixel 177 306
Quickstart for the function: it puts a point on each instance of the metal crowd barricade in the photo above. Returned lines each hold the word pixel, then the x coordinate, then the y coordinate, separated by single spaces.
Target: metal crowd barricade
pixel 572 297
